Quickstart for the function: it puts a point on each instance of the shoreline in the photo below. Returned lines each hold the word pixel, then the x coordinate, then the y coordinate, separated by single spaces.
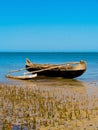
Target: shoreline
pixel 52 81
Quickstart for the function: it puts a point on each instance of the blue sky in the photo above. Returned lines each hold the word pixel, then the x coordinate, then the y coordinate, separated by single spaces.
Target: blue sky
pixel 49 25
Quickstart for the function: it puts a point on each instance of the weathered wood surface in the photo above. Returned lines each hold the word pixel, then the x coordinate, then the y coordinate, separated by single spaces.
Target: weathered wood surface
pixel 68 70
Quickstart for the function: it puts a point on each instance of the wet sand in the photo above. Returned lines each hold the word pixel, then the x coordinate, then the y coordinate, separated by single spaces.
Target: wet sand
pixel 49 104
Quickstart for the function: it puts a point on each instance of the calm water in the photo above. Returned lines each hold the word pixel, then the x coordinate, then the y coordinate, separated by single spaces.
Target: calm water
pixel 13 61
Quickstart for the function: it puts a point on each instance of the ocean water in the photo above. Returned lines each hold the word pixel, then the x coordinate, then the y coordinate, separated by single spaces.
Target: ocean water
pixel 16 60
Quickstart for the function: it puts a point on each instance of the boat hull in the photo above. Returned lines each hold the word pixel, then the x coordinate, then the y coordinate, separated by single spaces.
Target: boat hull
pixel 68 70
pixel 51 73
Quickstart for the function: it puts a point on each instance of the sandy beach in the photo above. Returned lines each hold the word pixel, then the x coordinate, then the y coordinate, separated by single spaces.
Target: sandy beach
pixel 49 104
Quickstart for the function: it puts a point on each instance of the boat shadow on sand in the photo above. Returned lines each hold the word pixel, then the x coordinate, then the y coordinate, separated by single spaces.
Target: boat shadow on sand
pixel 43 81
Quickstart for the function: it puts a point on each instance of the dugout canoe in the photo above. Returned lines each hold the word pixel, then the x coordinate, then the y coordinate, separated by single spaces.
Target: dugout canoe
pixel 66 70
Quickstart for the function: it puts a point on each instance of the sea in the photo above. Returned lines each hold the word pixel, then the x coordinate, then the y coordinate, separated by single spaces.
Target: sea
pixel 16 60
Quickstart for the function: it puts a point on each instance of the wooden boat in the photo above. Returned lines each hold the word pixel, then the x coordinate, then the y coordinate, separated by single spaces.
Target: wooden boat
pixel 22 77
pixel 67 70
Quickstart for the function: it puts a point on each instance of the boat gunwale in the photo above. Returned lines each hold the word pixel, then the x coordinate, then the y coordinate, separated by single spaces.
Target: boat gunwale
pixel 69 66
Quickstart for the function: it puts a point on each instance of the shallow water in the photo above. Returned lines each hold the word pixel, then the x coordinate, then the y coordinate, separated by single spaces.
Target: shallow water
pixel 14 61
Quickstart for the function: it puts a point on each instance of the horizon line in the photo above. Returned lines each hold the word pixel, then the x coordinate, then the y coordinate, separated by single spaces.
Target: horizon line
pixel 48 51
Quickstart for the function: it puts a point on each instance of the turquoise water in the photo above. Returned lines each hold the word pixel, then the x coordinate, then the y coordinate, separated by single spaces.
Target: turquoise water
pixel 14 61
